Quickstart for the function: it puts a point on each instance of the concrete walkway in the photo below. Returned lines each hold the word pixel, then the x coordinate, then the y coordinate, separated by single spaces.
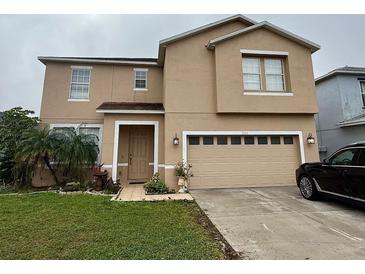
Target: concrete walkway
pixel 277 223
pixel 135 192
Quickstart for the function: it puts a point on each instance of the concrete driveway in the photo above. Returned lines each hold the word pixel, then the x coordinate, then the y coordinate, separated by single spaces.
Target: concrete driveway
pixel 277 223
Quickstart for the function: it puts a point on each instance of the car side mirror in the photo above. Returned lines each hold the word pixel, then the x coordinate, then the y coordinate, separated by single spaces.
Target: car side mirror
pixel 326 161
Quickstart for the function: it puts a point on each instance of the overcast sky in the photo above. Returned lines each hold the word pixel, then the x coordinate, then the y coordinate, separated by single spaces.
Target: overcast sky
pixel 24 37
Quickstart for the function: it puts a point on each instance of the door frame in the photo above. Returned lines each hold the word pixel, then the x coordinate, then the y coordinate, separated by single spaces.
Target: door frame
pixel 117 125
pixel 185 135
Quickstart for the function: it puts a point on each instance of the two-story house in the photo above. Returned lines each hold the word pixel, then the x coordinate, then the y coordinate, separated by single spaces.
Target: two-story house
pixel 235 98
pixel 341 100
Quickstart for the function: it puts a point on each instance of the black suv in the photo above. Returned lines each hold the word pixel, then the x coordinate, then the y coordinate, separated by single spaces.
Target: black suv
pixel 342 175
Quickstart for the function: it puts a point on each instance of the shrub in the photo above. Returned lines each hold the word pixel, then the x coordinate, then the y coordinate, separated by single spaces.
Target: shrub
pixel 72 186
pixel 7 188
pixel 156 185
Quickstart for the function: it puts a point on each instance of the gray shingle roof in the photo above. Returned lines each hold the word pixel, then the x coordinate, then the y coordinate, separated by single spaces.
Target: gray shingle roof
pixel 342 70
pixel 101 60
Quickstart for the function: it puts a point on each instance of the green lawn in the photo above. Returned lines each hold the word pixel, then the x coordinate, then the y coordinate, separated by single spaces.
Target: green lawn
pixel 53 226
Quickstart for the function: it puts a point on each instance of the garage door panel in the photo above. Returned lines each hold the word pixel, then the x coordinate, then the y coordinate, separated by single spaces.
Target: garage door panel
pixel 219 166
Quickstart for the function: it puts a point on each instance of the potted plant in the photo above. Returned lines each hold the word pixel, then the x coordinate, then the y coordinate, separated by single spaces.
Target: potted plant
pixel 183 173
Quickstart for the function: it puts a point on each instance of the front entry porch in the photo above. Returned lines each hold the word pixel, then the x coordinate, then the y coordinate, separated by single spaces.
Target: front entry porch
pixel 135 192
pixel 135 156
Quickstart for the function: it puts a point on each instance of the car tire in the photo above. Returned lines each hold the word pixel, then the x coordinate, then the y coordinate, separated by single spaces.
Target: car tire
pixel 307 188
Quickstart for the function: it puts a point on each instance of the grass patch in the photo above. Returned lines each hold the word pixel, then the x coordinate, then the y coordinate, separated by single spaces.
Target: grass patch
pixel 53 226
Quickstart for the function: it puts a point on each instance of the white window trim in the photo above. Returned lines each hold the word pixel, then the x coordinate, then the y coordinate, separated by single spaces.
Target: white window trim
pixel 117 125
pixel 264 52
pixel 78 100
pixel 269 93
pixel 88 85
pixel 185 135
pixel 134 86
pixel 100 126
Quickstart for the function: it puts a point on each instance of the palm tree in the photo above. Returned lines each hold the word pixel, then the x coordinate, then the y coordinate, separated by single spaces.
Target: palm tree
pixel 38 146
pixel 64 150
pixel 77 152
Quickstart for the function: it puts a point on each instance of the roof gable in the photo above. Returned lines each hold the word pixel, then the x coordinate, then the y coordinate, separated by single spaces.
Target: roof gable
pixel 237 17
pixel 163 43
pixel 266 25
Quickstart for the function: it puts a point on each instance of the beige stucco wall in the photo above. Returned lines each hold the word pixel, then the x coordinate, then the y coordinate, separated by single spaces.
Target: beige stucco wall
pixel 107 83
pixel 189 69
pixel 299 74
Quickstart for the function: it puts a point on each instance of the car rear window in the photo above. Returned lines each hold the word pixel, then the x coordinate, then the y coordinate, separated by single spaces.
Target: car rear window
pixel 361 159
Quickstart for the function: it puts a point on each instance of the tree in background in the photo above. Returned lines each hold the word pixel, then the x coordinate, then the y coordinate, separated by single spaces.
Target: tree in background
pixel 13 123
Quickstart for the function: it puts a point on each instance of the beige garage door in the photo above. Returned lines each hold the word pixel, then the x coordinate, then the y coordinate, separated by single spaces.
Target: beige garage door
pixel 243 161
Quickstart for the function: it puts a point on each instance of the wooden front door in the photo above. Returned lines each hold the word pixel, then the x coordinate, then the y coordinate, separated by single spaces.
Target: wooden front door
pixel 138 154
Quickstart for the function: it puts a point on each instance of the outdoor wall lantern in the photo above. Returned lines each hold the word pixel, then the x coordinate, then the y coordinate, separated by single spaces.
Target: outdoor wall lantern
pixel 176 140
pixel 310 139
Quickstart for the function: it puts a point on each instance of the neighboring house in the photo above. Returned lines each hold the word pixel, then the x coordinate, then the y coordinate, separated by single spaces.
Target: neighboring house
pixel 341 100
pixel 234 98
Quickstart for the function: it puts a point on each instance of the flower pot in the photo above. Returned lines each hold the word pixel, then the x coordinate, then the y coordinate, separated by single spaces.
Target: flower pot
pixel 181 181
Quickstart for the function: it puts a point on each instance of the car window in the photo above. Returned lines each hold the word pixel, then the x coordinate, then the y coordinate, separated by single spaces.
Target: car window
pixel 361 159
pixel 344 157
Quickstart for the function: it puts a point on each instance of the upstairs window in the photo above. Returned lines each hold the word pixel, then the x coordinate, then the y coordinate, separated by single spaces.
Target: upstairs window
pixel 140 79
pixel 80 81
pixel 251 73
pixel 362 88
pixel 263 74
pixel 274 75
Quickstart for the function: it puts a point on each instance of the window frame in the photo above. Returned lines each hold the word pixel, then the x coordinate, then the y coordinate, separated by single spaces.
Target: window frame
pixel 222 136
pixel 234 136
pixel 275 136
pixel 135 79
pixel 194 136
pixel 77 83
pixel 259 74
pixel 282 56
pixel 360 154
pixel 265 138
pixel 354 158
pixel 249 136
pixel 290 143
pixel 282 73
pixel 362 91
pixel 205 137
pixel 75 126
